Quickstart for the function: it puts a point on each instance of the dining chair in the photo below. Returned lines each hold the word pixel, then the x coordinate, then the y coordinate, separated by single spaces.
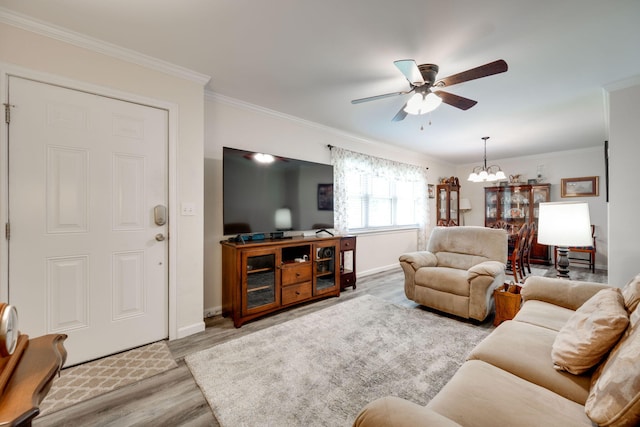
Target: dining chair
pixel 529 246
pixel 514 263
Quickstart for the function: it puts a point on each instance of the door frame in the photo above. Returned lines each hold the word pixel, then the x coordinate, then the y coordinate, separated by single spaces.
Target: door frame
pixel 7 70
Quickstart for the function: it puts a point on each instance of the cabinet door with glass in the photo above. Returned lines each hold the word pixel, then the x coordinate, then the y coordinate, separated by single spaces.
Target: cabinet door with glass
pixel 448 212
pixel 492 204
pixel 539 194
pixel 327 269
pixel 260 281
pixel 515 206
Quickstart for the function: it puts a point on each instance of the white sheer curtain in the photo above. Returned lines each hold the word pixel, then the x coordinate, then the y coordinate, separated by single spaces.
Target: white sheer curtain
pixel 346 160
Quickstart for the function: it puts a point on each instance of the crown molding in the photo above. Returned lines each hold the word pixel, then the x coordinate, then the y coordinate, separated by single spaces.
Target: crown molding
pixel 217 97
pixel 24 22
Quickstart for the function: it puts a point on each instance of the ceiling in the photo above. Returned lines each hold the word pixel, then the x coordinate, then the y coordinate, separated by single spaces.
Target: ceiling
pixel 309 59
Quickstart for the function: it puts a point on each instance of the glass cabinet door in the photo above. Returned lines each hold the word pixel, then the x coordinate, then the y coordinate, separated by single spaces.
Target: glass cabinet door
pixel 442 206
pixel 540 195
pixel 327 269
pixel 259 281
pixel 515 206
pixel 491 198
pixel 453 207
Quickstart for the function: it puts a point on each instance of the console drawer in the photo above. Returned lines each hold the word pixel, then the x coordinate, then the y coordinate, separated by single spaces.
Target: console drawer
pixel 296 273
pixel 294 293
pixel 347 243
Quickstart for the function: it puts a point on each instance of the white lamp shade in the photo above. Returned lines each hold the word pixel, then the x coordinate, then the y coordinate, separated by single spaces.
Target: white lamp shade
pixel 283 219
pixel 564 224
pixel 465 205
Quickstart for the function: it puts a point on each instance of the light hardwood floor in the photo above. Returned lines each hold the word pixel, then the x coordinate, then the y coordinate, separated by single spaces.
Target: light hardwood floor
pixel 173 398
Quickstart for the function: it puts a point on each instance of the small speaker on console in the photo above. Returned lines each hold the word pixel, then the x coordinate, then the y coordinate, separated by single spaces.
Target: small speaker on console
pixel 327 252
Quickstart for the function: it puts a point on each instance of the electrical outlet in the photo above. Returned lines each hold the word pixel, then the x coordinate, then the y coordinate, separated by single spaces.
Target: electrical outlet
pixel 188 209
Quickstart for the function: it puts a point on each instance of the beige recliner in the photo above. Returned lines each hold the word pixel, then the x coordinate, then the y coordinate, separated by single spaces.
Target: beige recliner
pixel 459 270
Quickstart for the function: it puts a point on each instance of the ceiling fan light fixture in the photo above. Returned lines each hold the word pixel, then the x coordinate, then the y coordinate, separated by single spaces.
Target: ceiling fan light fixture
pixel 420 104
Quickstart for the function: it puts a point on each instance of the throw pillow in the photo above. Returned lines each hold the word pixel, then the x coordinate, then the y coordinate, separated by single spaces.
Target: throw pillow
pixel 631 293
pixel 614 397
pixel 590 332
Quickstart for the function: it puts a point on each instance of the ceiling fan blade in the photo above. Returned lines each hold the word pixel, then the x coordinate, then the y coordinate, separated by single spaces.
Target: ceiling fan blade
pixel 410 69
pixel 495 67
pixel 400 115
pixel 386 95
pixel 456 100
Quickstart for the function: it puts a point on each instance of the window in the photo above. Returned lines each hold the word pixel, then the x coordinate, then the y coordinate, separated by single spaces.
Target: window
pixel 372 193
pixel 375 201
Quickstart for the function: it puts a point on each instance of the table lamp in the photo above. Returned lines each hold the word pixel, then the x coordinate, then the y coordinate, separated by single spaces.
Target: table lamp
pixel 283 219
pixel 465 206
pixel 564 224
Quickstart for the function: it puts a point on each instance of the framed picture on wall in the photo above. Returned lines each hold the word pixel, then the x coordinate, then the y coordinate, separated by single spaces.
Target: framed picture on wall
pixel 586 186
pixel 325 197
pixel 432 191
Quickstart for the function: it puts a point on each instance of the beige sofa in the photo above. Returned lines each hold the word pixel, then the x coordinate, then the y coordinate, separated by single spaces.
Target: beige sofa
pixel 459 270
pixel 509 379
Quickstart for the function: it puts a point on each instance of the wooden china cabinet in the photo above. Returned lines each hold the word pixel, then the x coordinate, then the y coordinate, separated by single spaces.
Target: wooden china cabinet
pixel 448 202
pixel 511 206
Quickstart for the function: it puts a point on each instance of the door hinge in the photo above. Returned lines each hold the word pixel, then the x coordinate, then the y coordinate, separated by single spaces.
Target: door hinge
pixel 7 230
pixel 7 112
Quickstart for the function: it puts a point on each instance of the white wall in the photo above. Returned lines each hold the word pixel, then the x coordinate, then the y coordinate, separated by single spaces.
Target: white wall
pixel 554 167
pixel 35 52
pixel 624 200
pixel 229 123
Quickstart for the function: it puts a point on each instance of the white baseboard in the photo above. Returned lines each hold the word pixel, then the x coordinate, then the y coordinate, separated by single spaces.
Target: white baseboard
pixel 212 311
pixel 190 330
pixel 378 270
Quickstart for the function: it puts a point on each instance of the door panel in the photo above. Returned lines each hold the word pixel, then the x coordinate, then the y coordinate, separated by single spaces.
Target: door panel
pixel 85 173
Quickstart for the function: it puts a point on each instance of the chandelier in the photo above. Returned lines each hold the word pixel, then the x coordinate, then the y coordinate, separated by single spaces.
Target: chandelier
pixel 483 173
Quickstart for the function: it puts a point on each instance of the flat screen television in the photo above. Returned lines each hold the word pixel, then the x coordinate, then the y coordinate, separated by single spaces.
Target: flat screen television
pixel 283 195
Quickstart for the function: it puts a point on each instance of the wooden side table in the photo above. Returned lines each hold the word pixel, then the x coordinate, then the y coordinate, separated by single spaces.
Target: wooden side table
pixel 507 303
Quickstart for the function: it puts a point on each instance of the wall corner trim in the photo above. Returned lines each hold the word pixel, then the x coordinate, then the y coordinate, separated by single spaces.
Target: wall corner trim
pixel 27 23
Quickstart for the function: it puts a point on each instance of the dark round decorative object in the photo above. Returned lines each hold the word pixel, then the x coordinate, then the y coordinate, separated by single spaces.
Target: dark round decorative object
pixel 327 253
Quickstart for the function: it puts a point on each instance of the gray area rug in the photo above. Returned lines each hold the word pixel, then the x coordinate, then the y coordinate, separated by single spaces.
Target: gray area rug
pixel 322 368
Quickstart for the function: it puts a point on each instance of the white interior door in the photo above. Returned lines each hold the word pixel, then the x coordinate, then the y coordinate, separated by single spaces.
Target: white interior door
pixel 86 257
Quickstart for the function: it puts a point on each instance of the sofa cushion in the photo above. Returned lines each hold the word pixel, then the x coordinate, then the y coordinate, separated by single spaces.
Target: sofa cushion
pixel 543 314
pixel 614 399
pixel 485 242
pixel 590 332
pixel 631 293
pixel 566 293
pixel 525 351
pixel 450 280
pixel 481 395
pixel 459 261
pixel 391 411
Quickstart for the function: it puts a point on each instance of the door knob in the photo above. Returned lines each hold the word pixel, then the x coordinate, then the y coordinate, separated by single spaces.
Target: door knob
pixel 159 237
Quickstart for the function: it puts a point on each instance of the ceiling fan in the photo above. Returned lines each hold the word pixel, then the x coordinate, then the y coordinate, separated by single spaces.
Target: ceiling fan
pixel 428 94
